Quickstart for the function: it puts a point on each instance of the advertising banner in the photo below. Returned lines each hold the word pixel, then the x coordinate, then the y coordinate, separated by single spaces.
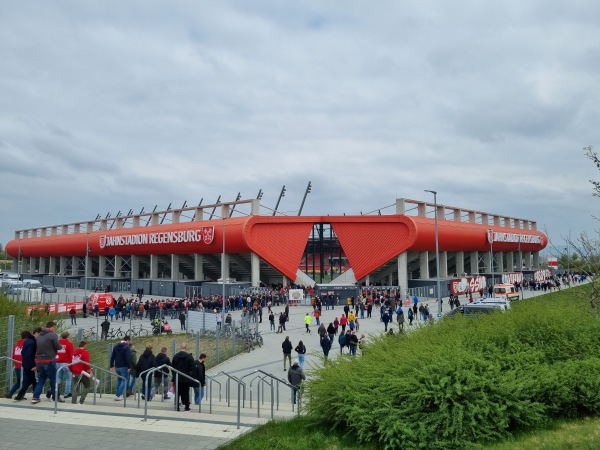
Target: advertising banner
pixel 295 294
pixel 57 308
pixel 512 277
pixel 467 284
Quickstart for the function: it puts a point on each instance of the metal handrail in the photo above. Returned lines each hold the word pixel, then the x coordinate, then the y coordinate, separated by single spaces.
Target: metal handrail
pixel 279 380
pixel 240 383
pixel 8 358
pixel 262 380
pixel 210 391
pixel 99 369
pixel 150 371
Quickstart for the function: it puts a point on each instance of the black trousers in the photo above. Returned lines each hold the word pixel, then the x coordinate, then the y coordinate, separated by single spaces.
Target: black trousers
pixel 183 392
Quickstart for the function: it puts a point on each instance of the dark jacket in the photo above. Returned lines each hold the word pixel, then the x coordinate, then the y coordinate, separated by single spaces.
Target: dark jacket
pixel 28 353
pixel 183 362
pixel 287 346
pixel 145 362
pixel 47 346
pixel 162 359
pixel 199 373
pixel 121 355
pixel 295 375
pixel 325 344
pixel 300 349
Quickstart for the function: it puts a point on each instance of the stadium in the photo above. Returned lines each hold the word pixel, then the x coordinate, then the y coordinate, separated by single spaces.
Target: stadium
pixel 166 252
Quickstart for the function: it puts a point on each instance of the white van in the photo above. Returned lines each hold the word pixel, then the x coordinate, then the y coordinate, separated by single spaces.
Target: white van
pixel 32 284
pixel 507 291
pixel 500 301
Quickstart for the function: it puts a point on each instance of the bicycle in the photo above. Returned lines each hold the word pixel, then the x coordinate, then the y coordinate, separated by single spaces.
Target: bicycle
pixel 116 334
pixel 138 330
pixel 90 335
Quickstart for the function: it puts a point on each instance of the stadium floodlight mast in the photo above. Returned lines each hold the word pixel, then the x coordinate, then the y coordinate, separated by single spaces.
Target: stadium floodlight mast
pixel 437 253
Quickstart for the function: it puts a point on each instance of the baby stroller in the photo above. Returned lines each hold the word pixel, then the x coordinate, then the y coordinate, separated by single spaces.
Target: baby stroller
pixel 162 327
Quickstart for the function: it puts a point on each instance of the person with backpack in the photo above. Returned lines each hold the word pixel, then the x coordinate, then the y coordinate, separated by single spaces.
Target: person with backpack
pixel 400 318
pixel 410 316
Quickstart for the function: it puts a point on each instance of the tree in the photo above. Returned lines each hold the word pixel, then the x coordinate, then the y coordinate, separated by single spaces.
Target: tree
pixel 593 156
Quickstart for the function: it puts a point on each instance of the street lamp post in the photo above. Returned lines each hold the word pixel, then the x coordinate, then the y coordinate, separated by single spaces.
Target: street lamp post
pixel 491 234
pixel 223 266
pixel 437 253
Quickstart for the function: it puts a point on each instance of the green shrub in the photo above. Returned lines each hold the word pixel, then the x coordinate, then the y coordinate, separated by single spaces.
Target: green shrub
pixel 466 381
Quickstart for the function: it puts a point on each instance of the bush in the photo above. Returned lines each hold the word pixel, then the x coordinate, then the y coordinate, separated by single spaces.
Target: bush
pixel 467 381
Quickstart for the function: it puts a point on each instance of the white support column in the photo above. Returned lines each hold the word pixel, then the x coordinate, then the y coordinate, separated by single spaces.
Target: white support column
pixel 175 274
pixel 535 260
pixel 424 265
pixel 63 265
pixel 42 265
pixel 527 260
pixel 52 265
pixel 443 265
pixel 153 267
pixel 74 265
pixel 87 269
pixel 510 261
pixel 474 260
pixel 500 262
pixel 135 267
pixel 400 206
pixel 460 263
pixel 403 271
pixel 367 280
pixel 487 262
pixel 118 265
pixel 102 266
pixel 31 264
pixel 255 268
pixel 199 267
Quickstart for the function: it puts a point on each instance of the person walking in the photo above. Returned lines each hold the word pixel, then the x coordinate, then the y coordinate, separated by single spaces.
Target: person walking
pixel 82 372
pixel 105 327
pixel 331 331
pixel 28 363
pixel 133 373
pixel 307 322
pixel 146 361
pixel 286 346
pixel 282 319
pixel 161 376
pixel 183 362
pixel 200 375
pixel 45 361
pixel 64 357
pixel 182 319
pixel 16 355
pixel 120 363
pixel 295 378
pixel 272 320
pixel 73 315
pixel 325 345
pixel 301 350
pixel 353 343
pixel 342 342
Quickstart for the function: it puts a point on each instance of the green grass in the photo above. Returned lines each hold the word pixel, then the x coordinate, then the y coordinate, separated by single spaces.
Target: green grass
pixel 303 434
pixel 295 434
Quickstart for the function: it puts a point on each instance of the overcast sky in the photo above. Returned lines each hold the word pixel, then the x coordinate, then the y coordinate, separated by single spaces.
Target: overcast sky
pixel 112 105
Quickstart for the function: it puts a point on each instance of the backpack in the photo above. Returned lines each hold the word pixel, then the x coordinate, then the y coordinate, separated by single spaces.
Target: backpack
pixel 410 313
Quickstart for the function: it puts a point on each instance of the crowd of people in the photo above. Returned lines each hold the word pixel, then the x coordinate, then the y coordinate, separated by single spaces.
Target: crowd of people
pixel 42 357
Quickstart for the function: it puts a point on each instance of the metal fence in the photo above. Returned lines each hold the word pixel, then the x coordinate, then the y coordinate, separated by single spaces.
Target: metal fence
pixel 218 343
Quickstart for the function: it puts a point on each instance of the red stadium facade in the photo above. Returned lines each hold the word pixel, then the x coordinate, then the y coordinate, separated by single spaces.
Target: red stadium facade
pixel 391 249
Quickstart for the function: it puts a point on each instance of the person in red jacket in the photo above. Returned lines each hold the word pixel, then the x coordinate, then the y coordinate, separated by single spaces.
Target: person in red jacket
pixel 64 357
pixel 82 372
pixel 343 322
pixel 16 355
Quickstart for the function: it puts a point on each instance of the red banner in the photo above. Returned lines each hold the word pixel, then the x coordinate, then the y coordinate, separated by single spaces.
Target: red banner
pixel 467 284
pixel 57 308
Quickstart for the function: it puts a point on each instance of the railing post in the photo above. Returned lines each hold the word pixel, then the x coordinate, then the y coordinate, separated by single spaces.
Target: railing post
pixel 9 349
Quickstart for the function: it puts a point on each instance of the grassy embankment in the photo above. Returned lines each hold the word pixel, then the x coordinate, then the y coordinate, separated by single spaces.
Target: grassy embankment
pixel 525 379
